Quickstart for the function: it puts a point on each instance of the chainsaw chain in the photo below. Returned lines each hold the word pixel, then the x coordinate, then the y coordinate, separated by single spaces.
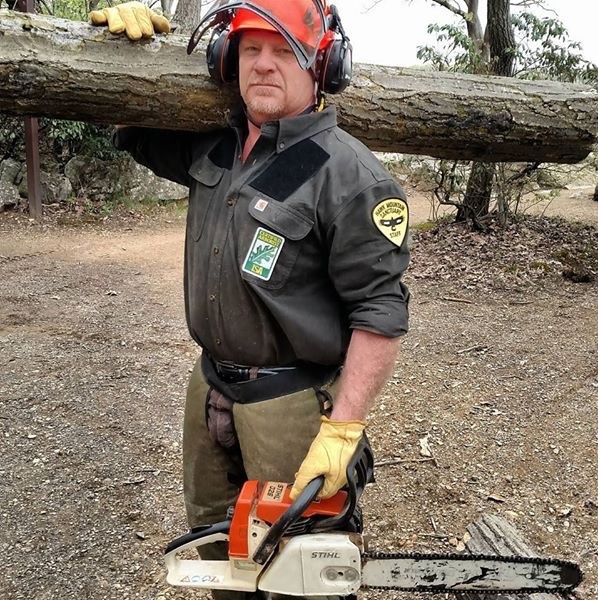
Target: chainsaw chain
pixel 439 556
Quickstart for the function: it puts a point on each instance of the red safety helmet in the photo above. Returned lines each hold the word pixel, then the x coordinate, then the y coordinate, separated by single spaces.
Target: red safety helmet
pixel 310 27
pixel 303 23
pixel 296 17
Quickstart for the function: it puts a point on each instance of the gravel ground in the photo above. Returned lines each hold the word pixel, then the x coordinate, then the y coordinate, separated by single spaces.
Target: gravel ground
pixel 498 377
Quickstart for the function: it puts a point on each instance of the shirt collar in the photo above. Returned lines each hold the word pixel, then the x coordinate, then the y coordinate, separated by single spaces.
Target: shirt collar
pixel 289 130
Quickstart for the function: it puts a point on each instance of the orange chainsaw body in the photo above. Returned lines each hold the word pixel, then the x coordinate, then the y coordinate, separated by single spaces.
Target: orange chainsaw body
pixel 267 503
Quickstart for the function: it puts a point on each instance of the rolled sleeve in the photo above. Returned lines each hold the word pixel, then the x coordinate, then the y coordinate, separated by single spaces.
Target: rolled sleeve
pixel 366 267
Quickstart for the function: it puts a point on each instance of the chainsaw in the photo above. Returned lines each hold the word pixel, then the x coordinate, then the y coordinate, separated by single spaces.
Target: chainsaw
pixel 315 547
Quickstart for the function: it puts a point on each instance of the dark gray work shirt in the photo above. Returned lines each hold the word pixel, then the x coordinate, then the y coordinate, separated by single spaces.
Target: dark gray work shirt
pixel 288 252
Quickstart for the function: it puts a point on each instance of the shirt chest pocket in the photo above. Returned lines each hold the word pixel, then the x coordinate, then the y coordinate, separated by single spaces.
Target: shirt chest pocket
pixel 270 242
pixel 205 180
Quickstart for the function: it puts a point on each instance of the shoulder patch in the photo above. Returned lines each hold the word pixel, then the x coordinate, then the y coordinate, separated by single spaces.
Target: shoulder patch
pixel 391 217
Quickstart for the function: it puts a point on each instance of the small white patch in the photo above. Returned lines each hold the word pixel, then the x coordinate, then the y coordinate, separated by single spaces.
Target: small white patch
pixel 261 205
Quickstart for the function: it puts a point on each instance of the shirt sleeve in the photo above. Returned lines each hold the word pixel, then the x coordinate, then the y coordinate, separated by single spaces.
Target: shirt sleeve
pixel 368 255
pixel 167 153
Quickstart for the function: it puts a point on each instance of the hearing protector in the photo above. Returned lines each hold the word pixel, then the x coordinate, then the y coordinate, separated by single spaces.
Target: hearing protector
pixel 334 66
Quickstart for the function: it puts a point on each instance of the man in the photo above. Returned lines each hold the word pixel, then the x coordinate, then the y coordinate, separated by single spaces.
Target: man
pixel 295 248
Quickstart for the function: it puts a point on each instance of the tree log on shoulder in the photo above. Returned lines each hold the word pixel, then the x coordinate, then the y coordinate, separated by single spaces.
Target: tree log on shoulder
pixel 71 70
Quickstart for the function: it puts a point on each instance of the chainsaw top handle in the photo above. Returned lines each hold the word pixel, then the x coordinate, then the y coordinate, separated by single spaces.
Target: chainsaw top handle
pixel 359 473
pixel 290 516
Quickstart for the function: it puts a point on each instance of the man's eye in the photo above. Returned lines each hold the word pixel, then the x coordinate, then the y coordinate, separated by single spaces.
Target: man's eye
pixel 286 52
pixel 251 49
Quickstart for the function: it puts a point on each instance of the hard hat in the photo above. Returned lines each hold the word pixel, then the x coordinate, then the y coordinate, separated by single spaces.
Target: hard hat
pixel 303 23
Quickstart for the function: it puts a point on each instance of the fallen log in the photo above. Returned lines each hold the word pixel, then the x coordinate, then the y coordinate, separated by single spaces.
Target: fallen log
pixel 71 70
pixel 494 535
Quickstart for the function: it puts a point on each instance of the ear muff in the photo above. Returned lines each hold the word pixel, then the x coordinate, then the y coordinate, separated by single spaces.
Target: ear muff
pixel 222 56
pixel 337 66
pixel 337 62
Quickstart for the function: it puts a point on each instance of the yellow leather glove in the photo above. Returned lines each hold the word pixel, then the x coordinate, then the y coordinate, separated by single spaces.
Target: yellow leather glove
pixel 134 18
pixel 329 455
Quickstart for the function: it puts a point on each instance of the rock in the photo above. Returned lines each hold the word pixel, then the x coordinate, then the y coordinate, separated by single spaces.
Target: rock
pixel 140 184
pixel 91 177
pixel 54 187
pixel 9 196
pixel 11 171
pixel 99 180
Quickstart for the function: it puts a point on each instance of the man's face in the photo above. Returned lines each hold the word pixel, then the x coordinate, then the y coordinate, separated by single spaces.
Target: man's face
pixel 272 83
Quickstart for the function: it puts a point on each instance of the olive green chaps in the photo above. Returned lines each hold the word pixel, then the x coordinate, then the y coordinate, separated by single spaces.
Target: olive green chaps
pixel 274 437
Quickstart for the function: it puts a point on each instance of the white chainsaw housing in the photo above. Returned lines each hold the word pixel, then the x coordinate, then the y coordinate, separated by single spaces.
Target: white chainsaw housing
pixel 314 565
pixel 305 565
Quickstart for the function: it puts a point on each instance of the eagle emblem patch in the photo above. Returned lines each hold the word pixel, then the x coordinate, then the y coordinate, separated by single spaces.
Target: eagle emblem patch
pixel 391 217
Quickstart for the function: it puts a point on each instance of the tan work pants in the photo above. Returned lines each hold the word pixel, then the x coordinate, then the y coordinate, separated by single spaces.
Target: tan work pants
pixel 274 437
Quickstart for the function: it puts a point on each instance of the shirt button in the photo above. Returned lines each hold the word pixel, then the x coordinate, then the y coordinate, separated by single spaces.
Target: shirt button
pixel 281 145
pixel 212 297
pixel 231 201
pixel 216 250
pixel 218 341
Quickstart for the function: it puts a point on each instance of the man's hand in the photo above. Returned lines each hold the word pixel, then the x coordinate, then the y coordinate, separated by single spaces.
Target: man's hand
pixel 134 18
pixel 329 455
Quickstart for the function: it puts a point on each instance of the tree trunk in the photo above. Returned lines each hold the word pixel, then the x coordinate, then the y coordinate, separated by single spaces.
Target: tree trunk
pixel 475 31
pixel 186 16
pixel 167 8
pixel 501 38
pixel 501 42
pixel 70 70
pixel 476 202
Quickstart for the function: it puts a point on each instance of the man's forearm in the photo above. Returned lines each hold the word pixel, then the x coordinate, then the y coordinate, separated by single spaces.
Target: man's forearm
pixel 370 362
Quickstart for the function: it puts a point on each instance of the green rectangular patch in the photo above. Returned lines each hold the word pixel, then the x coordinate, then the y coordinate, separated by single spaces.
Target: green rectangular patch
pixel 263 254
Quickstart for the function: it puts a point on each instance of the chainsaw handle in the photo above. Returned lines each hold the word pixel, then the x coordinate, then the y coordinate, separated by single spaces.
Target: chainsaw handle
pixel 197 533
pixel 288 517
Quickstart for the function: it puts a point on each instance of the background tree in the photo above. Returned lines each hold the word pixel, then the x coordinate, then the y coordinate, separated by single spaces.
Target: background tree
pixel 187 15
pixel 523 45
pixel 468 47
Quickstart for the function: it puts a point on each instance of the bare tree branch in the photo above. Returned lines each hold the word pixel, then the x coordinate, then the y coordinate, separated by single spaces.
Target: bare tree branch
pixel 454 9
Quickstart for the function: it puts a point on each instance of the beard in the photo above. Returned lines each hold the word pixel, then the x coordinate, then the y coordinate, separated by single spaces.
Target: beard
pixel 266 107
pixel 269 104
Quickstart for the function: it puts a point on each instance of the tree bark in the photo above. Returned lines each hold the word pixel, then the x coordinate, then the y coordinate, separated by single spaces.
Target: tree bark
pixel 501 38
pixel 475 31
pixel 476 202
pixel 186 16
pixel 70 70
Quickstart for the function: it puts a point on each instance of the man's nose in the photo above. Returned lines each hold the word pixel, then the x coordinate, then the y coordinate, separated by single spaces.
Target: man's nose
pixel 265 61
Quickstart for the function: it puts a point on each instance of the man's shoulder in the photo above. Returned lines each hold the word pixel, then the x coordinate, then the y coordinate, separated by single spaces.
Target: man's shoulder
pixel 351 158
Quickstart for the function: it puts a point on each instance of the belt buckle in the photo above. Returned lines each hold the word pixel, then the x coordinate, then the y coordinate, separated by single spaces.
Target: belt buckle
pixel 232 373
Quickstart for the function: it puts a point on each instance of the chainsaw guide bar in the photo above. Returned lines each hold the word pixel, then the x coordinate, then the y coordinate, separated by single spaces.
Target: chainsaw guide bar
pixel 558 575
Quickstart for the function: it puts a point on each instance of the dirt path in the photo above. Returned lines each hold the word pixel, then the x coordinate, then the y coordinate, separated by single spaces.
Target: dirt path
pixel 94 357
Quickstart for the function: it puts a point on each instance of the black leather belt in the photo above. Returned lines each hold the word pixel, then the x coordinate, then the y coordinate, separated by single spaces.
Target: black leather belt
pixel 252 384
pixel 233 373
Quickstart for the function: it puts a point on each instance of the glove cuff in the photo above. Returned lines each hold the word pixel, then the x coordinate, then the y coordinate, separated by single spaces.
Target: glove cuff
pixel 342 429
pixel 332 422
